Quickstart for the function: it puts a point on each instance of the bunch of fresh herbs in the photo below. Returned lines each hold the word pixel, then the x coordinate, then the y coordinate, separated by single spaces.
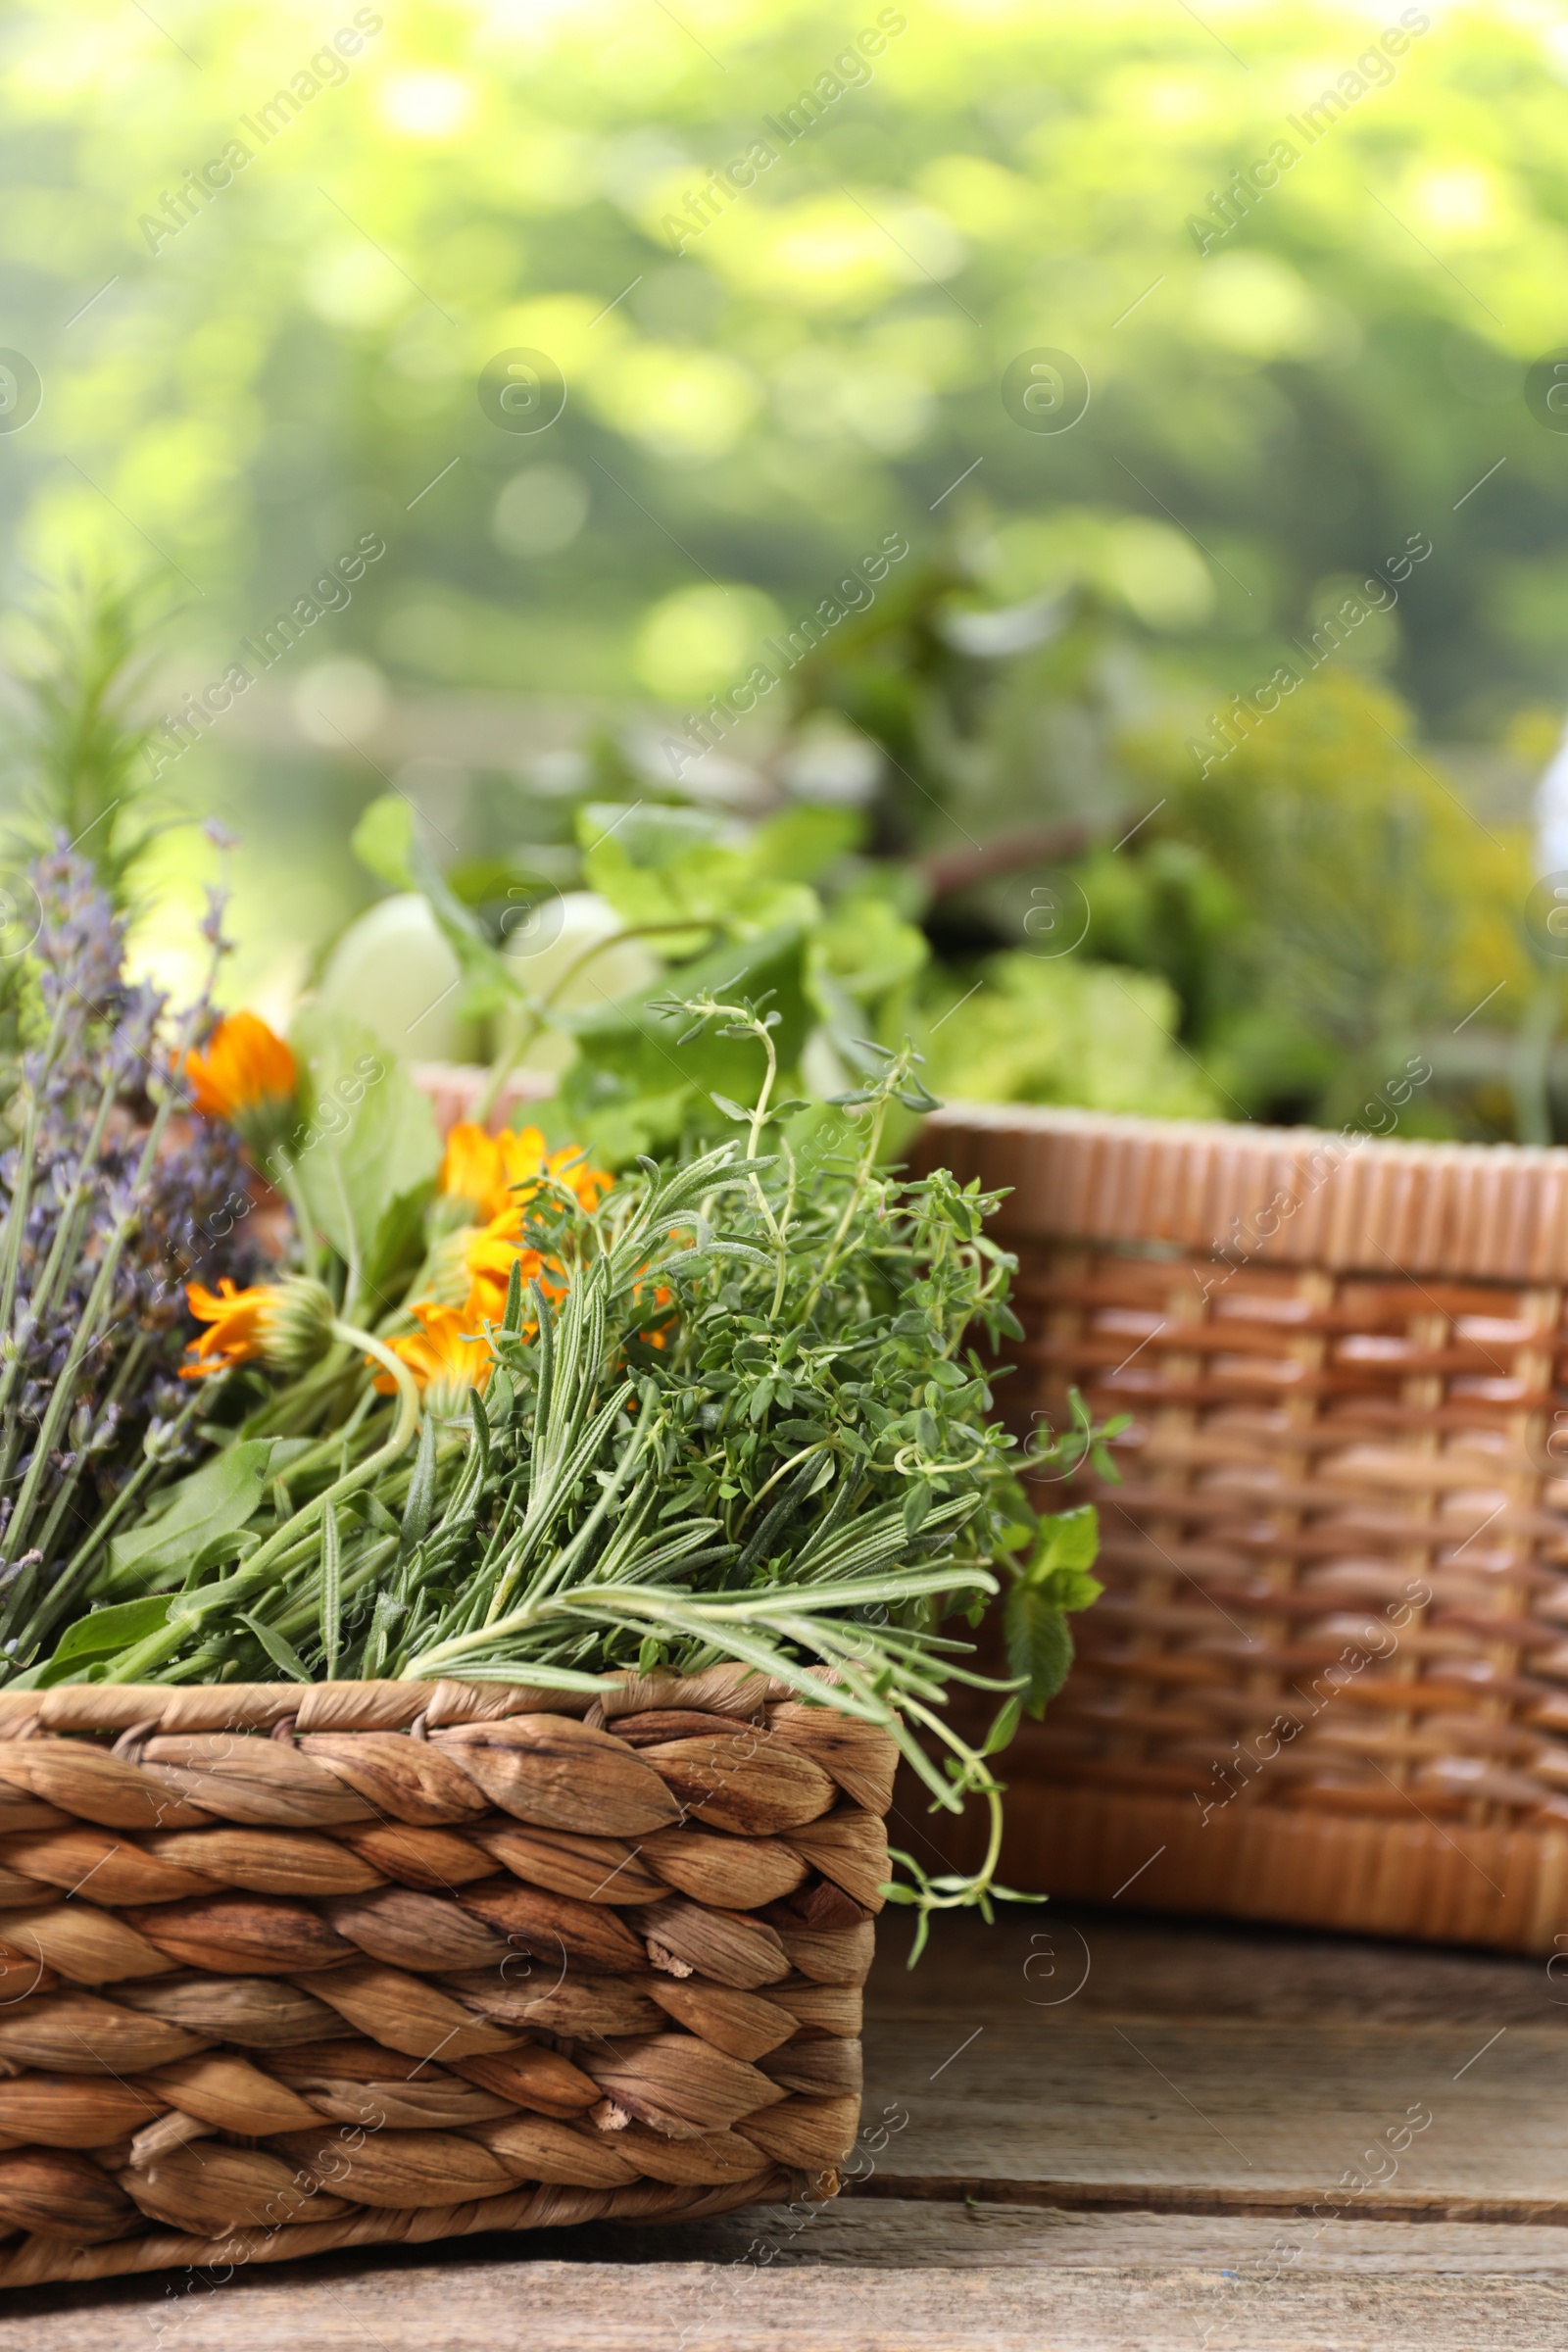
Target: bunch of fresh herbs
pixel 743 1411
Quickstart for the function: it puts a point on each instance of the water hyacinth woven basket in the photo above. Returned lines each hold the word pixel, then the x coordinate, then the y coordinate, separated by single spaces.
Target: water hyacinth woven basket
pixel 285 1969
pixel 1328 1680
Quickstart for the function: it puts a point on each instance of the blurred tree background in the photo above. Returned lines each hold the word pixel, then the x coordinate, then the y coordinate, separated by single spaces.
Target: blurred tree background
pixel 270 267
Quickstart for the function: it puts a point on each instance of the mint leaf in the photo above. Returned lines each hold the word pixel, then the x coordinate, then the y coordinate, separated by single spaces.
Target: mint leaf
pixel 1039 1645
pixel 1066 1547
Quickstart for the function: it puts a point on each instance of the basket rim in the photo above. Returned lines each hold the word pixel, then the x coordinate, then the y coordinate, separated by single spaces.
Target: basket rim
pixel 376 1706
pixel 1067 1118
pixel 1349 1202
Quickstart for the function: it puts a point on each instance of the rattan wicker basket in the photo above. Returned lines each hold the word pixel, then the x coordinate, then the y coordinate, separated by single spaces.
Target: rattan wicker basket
pixel 1328 1682
pixel 285 1969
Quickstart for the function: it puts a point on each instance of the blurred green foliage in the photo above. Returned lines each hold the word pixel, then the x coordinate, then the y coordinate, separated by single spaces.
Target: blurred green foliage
pixel 1325 904
pixel 243 372
pixel 1068 1031
pixel 299 357
pixel 79 756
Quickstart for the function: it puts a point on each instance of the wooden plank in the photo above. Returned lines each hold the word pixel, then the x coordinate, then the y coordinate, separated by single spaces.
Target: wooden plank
pixel 1260 2115
pixel 1112 1962
pixel 913 2234
pixel 1179 2301
pixel 1101 2061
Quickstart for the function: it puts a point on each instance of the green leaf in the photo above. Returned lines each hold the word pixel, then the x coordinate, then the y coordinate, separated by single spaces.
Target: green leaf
pixel 1072 1538
pixel 282 1653
pixel 650 838
pixel 916 1506
pixel 384 841
pixel 420 1504
pixel 863 953
pixel 1065 1547
pixel 731 1111
pixel 1004 1729
pixel 668 865
pixel 635 1088
pixel 397 1246
pixel 366 1140
pixel 112 1629
pixel 1072 1588
pixel 332 1590
pixel 800 842
pixel 1039 1645
pixel 214 1500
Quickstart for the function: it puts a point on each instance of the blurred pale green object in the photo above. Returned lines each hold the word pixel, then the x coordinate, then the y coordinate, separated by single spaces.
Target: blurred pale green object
pixel 1060 1030
pixel 394 971
pixel 550 957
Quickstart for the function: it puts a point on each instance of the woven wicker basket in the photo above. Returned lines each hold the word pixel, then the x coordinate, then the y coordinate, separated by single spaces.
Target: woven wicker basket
pixel 1328 1682
pixel 284 1970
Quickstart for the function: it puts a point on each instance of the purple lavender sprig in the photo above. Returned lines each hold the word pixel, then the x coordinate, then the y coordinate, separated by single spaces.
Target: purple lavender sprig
pixel 110 1202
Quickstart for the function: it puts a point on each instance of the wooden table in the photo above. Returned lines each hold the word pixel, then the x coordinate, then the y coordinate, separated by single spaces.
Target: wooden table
pixel 1100 2132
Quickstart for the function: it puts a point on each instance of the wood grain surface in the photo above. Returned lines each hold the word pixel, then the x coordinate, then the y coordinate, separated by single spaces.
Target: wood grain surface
pixel 1082 2130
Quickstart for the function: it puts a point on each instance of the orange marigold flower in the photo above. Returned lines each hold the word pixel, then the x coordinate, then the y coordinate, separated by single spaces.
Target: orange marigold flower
pixel 247 1075
pixel 489 1249
pixel 234 1319
pixel 490 1255
pixel 470 1165
pixel 499 1173
pixel 448 1356
pixel 287 1324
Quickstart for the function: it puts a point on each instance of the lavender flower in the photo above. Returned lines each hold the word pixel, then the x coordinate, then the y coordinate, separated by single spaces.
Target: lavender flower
pixel 112 1199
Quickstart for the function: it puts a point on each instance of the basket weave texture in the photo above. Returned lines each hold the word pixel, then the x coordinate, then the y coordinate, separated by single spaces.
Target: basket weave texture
pixel 1328 1681
pixel 289 1969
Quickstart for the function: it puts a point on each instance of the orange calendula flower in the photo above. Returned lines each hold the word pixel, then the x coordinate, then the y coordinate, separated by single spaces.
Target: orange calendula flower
pixel 470 1167
pixel 288 1324
pixel 497 1174
pixel 448 1356
pixel 234 1320
pixel 490 1255
pixel 246 1075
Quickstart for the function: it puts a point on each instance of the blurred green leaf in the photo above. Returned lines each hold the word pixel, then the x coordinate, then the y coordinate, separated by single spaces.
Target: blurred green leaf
pixel 384 841
pixel 366 1147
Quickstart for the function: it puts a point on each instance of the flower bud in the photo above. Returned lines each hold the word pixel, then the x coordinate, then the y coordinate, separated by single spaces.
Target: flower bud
pixel 297 1323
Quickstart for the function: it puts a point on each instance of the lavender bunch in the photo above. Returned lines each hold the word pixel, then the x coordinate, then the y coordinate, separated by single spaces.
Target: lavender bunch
pixel 110 1202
